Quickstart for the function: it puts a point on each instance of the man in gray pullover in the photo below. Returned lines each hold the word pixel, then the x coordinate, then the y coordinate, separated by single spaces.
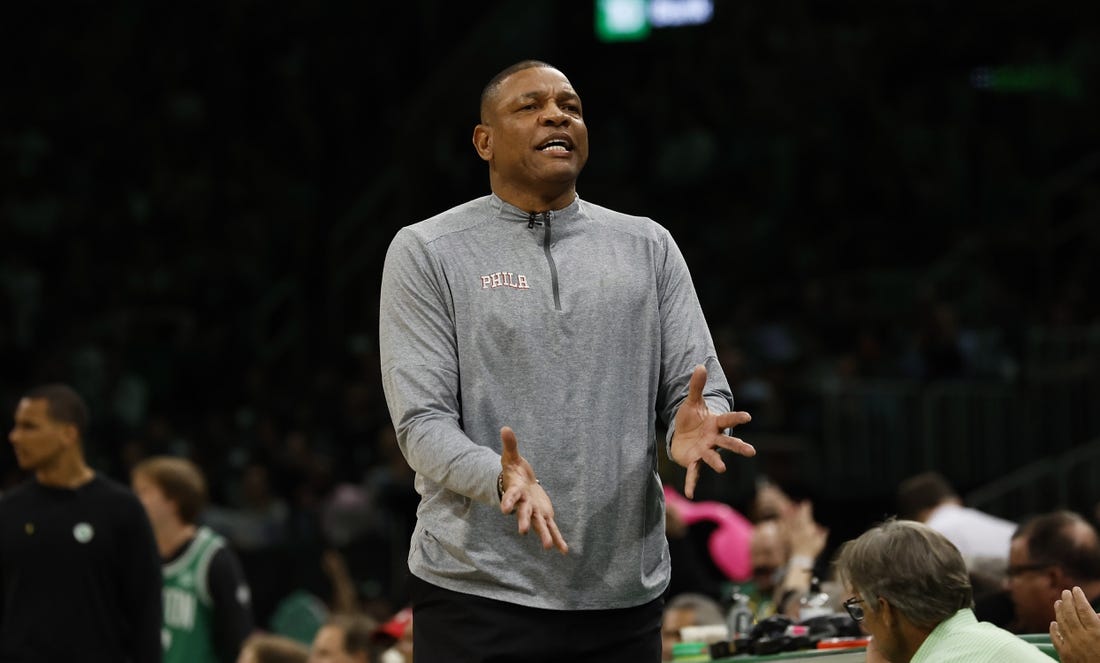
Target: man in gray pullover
pixel 533 316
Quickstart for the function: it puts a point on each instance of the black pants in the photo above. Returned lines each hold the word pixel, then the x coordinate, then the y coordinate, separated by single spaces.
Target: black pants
pixel 450 627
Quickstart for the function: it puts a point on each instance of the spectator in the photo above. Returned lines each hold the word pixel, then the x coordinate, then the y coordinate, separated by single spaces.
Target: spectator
pixel 909 588
pixel 207 602
pixel 260 521
pixel 785 552
pixel 688 609
pixel 345 637
pixel 271 648
pixel 1051 553
pixel 981 538
pixel 396 636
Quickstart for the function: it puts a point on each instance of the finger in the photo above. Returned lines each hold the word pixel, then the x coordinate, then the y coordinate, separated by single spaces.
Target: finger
pixel 1064 609
pixel 523 516
pixel 508 502
pixel 737 446
pixel 559 540
pixel 714 459
pixel 696 384
pixel 543 531
pixel 1083 609
pixel 509 453
pixel 731 419
pixel 1056 638
pixel 691 479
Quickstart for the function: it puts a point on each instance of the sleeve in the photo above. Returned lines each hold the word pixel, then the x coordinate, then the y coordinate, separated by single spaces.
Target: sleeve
pixel 141 583
pixel 230 595
pixel 420 373
pixel 685 341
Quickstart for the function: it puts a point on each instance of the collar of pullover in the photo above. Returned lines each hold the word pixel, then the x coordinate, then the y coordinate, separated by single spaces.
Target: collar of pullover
pixel 564 216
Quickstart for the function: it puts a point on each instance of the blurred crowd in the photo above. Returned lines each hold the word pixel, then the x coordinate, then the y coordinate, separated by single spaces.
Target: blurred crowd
pixel 1015 571
pixel 197 250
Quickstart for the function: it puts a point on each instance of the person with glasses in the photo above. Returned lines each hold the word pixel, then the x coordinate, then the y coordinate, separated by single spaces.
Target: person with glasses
pixel 1050 553
pixel 908 587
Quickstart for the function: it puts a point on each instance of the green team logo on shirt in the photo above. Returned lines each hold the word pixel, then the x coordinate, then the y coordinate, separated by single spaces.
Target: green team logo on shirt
pixel 83 532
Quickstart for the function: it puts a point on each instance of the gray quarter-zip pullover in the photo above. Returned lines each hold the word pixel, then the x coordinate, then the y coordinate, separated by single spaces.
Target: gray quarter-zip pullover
pixel 577 328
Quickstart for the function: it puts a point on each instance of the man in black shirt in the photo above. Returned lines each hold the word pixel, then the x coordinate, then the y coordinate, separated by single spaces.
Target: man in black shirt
pixel 79 573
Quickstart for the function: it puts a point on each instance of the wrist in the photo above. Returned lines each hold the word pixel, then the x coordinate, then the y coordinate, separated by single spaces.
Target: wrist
pixel 500 485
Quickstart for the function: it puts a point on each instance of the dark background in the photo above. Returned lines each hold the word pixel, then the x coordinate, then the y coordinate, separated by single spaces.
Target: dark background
pixel 891 211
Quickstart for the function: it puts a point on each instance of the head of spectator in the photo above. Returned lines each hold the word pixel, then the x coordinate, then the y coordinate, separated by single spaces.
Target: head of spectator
pixel 689 609
pixel 905 579
pixel 345 638
pixel 172 490
pixel 1050 553
pixel 919 495
pixel 395 636
pixel 769 551
pixel 272 648
pixel 47 438
pixel 769 502
pixel 982 538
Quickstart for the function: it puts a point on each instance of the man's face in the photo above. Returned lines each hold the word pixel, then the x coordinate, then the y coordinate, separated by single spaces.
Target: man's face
pixel 768 554
pixel 36 439
pixel 328 647
pixel 671 623
pixel 533 130
pixel 1033 589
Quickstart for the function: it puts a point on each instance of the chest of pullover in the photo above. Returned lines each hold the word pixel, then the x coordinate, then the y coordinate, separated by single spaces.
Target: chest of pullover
pixel 576 328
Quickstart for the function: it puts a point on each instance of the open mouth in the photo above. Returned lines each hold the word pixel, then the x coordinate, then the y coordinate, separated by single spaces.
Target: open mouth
pixel 556 145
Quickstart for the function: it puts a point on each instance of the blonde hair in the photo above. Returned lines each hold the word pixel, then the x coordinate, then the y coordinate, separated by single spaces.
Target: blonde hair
pixel 180 480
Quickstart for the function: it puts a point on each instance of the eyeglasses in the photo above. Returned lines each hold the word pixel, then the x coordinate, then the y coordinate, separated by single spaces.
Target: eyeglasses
pixel 1020 569
pixel 855 611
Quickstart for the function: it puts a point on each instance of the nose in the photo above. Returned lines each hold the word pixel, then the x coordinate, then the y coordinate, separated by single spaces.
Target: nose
pixel 554 115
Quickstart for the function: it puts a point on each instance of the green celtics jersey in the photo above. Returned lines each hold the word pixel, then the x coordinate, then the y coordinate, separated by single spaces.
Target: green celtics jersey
pixel 187 633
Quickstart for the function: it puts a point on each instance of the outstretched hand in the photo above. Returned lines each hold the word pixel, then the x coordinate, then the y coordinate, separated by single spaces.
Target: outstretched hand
pixel 524 494
pixel 700 433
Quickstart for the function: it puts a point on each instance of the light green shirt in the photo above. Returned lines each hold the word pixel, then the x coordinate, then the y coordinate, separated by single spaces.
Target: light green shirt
pixel 964 639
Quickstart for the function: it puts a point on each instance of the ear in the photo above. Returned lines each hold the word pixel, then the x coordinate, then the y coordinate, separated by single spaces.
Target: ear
pixel 483 141
pixel 1059 579
pixel 69 434
pixel 886 612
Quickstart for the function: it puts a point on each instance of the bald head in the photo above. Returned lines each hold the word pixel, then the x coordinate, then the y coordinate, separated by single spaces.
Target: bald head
pixel 1064 538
